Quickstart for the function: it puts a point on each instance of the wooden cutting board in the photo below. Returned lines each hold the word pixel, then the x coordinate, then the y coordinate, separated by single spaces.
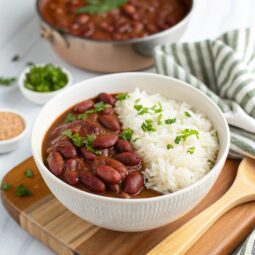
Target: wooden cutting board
pixel 50 222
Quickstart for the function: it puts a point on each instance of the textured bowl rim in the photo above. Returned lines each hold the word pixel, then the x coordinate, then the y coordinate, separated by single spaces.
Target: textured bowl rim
pixel 220 159
pixel 135 40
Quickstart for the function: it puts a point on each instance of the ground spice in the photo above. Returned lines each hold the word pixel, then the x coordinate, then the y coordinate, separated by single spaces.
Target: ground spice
pixel 11 125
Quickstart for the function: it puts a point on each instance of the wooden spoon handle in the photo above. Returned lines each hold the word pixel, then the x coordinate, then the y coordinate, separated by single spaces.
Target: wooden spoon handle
pixel 183 238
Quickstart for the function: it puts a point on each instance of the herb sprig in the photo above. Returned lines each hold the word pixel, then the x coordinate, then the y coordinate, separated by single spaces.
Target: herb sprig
pixel 127 134
pixel 29 173
pixel 22 191
pixel 80 141
pixel 5 186
pixel 100 6
pixel 122 96
pixel 147 126
pixel 98 107
pixel 184 134
pixel 7 81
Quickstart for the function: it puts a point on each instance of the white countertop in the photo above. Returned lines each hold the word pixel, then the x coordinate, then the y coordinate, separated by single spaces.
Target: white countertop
pixel 19 34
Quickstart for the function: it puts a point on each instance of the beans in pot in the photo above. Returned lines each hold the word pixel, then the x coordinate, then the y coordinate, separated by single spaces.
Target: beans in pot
pixel 127 20
pixel 87 148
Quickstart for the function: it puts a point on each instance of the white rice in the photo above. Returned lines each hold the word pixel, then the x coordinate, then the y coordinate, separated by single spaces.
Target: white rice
pixel 168 170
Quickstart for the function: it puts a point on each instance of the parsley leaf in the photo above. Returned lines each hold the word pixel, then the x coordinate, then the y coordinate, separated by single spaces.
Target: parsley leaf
pixel 170 121
pixel 80 141
pixel 160 116
pixel 126 134
pixel 157 108
pixel 5 186
pixel 100 6
pixel 147 126
pixel 28 173
pixel 22 191
pixel 98 107
pixel 15 58
pixel 184 134
pixel 70 118
pixel 122 96
pixel 187 114
pixel 7 81
pixel 169 146
pixel 191 150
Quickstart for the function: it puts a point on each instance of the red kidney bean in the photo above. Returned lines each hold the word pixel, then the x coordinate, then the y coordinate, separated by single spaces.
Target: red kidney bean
pixel 71 173
pixel 106 98
pixel 90 29
pixel 114 188
pixel 133 183
pixel 117 166
pixel 104 141
pixel 83 106
pixel 106 26
pixel 108 110
pixel 73 126
pixel 129 158
pixel 129 9
pixel 110 121
pixel 90 128
pixel 92 183
pixel 83 18
pixel 124 195
pixel 88 155
pixel 81 165
pixel 124 146
pixel 108 174
pixel 67 149
pixel 56 163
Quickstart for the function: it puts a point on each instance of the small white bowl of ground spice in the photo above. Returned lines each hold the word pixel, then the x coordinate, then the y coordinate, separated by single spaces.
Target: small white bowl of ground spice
pixel 40 82
pixel 12 129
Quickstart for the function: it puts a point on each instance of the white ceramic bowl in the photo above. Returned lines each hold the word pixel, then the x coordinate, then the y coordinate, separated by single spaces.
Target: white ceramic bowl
pixel 13 143
pixel 40 97
pixel 129 214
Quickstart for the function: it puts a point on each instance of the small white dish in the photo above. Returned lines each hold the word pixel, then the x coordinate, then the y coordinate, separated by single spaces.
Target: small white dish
pixel 13 143
pixel 41 97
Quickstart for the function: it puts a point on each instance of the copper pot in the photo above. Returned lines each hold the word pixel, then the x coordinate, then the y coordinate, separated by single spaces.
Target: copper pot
pixel 108 56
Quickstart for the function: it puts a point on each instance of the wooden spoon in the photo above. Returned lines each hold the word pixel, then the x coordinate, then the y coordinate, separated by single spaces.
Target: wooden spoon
pixel 241 191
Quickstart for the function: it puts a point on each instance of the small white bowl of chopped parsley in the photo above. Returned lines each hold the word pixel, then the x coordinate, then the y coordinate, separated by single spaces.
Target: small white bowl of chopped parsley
pixel 40 82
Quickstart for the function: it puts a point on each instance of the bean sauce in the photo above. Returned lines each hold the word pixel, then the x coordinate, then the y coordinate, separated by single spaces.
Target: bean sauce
pixel 84 149
pixel 135 19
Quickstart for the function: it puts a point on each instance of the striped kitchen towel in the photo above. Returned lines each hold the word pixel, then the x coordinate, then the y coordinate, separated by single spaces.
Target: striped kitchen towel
pixel 224 69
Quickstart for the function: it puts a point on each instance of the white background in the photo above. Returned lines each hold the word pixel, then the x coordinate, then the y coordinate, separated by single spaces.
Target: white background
pixel 19 34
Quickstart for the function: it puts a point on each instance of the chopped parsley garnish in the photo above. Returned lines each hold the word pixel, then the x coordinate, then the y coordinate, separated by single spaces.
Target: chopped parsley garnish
pixel 169 146
pixel 191 150
pixel 100 6
pixel 28 173
pixel 147 126
pixel 126 134
pixel 70 117
pixel 7 81
pixel 187 114
pixel 46 78
pixel 122 96
pixel 157 108
pixel 159 119
pixel 184 134
pixel 170 121
pixel 5 186
pixel 30 63
pixel 22 191
pixel 80 141
pixel 15 58
pixel 98 107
